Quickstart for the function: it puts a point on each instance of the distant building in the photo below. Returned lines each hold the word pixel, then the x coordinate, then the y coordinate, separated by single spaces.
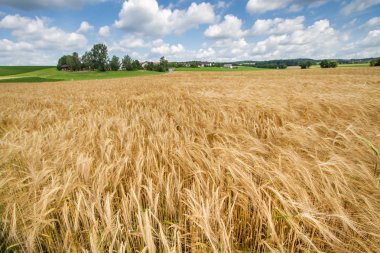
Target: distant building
pixel 65 67
pixel 229 66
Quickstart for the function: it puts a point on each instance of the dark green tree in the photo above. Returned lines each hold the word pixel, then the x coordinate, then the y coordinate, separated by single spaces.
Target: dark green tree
pixel 127 63
pixel 194 64
pixel 115 63
pixel 61 62
pixel 149 66
pixel 328 64
pixel 375 62
pixel 136 65
pixel 99 53
pixel 306 65
pixel 72 61
pixel 75 62
pixel 164 65
pixel 87 62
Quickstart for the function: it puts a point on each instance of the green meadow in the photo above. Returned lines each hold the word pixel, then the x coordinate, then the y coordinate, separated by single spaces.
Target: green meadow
pixel 21 74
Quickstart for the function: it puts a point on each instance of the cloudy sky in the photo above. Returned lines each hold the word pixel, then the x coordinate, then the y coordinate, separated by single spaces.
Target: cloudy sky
pixel 37 32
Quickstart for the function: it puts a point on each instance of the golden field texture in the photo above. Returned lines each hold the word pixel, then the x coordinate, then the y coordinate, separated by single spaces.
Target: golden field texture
pixel 270 161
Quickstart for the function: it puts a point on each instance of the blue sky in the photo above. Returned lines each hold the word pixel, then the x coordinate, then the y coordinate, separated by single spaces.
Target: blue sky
pixel 37 32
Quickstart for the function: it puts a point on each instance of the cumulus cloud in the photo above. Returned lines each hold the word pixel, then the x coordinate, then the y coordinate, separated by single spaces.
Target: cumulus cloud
pixel 277 25
pixel 35 31
pixel 205 54
pixel 261 6
pixel 104 31
pixel 37 4
pixel 35 42
pixel 365 47
pixel 161 48
pixel 230 27
pixel 317 40
pixel 85 27
pixel 127 43
pixel 146 17
pixel 359 5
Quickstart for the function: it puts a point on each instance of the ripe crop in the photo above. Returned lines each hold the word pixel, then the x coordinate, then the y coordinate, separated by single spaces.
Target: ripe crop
pixel 282 161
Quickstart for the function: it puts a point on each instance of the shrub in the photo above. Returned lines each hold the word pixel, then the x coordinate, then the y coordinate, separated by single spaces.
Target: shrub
pixel 375 62
pixel 305 65
pixel 328 64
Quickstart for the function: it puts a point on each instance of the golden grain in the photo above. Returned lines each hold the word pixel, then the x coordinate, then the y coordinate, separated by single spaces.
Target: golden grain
pixel 274 161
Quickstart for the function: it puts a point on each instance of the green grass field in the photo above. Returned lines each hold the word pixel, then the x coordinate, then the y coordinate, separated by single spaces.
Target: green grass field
pixel 51 74
pixel 220 69
pixel 356 65
pixel 12 70
pixel 33 74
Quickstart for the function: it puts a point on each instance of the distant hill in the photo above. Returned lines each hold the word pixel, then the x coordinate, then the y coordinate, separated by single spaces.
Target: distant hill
pixel 272 63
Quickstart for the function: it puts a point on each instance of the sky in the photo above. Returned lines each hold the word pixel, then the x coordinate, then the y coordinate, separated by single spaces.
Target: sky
pixel 38 32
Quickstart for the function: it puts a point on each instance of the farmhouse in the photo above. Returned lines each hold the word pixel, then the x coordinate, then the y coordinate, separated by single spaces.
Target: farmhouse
pixel 65 67
pixel 229 66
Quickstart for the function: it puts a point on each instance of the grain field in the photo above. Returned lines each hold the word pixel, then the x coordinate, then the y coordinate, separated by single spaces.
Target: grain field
pixel 269 161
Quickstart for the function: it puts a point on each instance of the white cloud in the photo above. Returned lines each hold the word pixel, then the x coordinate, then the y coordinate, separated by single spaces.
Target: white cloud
pixel 230 27
pixel 133 42
pixel 104 31
pixel 366 47
pixel 146 17
pixel 277 25
pixel 375 21
pixel 205 54
pixel 42 37
pixel 371 40
pixel 261 6
pixel 161 48
pixel 319 40
pixel 85 27
pixel 23 53
pixel 359 5
pixel 35 42
pixel 36 4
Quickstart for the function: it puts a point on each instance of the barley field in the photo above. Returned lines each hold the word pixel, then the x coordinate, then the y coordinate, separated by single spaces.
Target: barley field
pixel 267 161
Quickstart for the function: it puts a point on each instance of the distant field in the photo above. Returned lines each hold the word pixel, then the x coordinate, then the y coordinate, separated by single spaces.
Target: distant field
pixel 220 69
pixel 267 161
pixel 354 65
pixel 16 70
pixel 51 74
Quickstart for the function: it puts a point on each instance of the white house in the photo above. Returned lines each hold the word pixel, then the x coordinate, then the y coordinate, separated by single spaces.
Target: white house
pixel 229 66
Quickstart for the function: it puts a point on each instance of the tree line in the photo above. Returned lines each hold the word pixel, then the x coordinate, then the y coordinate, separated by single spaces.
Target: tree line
pixel 97 60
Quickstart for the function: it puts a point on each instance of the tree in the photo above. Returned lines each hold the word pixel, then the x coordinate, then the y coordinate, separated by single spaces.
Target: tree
pixel 136 65
pixel 163 66
pixel 115 63
pixel 127 63
pixel 99 53
pixel 72 61
pixel 87 62
pixel 194 64
pixel 305 65
pixel 328 64
pixel 375 62
pixel 61 62
pixel 149 66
